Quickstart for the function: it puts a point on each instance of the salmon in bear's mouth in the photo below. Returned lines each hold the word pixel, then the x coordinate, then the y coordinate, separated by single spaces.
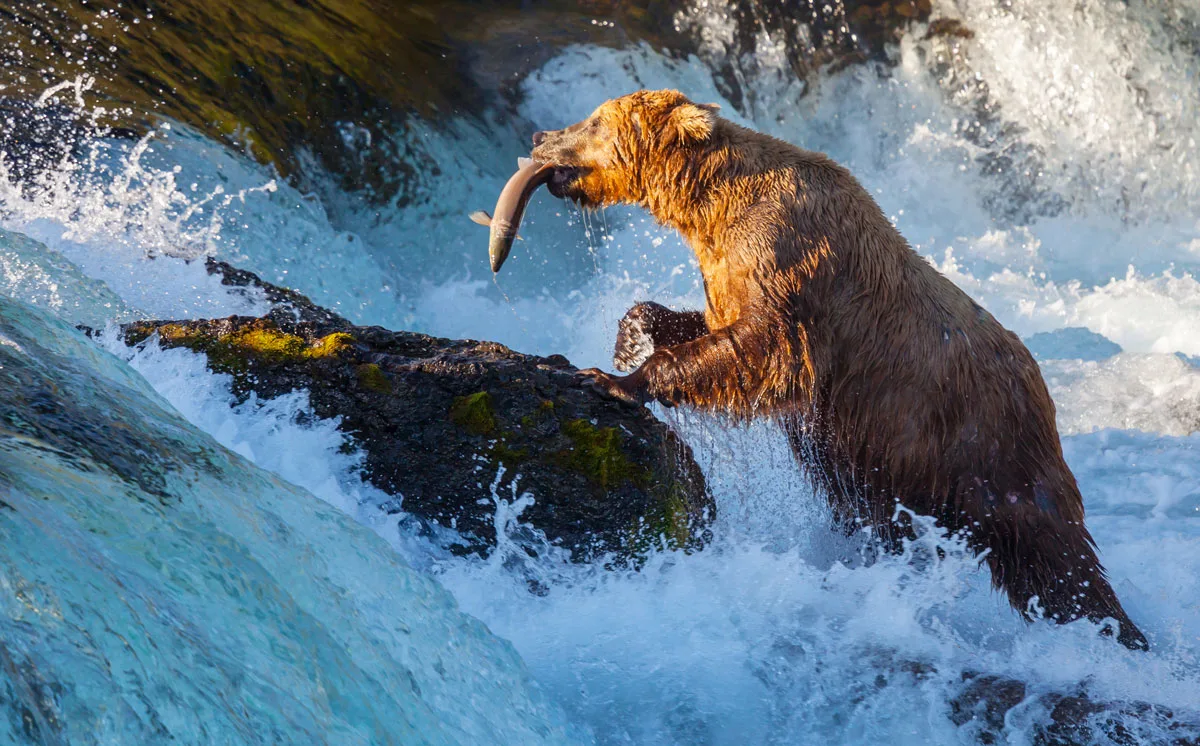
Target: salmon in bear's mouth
pixel 504 223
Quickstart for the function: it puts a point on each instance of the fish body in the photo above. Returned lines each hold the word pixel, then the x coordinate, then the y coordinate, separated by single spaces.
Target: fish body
pixel 510 208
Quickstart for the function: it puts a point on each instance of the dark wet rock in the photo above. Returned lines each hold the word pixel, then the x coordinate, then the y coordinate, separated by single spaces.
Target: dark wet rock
pixel 984 702
pixel 812 37
pixel 948 27
pixel 285 303
pixel 438 418
pixel 1059 719
pixel 1019 187
pixel 33 138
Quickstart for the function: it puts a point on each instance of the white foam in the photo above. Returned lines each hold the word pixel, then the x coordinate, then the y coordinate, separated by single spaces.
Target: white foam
pixel 1151 393
pixel 278 434
pixel 1105 90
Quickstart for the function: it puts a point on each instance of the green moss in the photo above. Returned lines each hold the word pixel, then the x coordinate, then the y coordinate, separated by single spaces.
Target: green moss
pixel 262 342
pixel 545 409
pixel 597 454
pixel 669 523
pixel 270 345
pixel 672 519
pixel 372 378
pixel 474 413
pixel 222 357
pixel 501 453
pixel 233 66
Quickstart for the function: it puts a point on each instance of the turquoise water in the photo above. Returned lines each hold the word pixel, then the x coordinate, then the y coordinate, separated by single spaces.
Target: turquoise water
pixel 157 588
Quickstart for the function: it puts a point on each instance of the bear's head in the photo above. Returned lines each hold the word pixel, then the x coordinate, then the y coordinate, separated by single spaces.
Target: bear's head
pixel 609 157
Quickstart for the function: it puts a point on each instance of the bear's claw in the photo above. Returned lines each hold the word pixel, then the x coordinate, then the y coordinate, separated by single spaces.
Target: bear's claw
pixel 634 340
pixel 621 388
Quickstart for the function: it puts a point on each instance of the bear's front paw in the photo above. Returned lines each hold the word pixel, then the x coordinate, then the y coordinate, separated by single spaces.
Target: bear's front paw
pixel 635 336
pixel 625 388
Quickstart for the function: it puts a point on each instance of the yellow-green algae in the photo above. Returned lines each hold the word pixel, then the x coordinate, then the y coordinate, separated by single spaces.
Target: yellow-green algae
pixel 262 342
pixel 234 352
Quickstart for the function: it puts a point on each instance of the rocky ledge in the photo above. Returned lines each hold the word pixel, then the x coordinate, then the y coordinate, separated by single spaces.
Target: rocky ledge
pixel 439 420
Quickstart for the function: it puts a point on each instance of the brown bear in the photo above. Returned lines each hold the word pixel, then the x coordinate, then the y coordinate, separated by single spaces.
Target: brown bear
pixel 891 384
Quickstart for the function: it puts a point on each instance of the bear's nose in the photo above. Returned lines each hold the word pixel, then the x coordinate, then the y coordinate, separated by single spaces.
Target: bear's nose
pixel 538 137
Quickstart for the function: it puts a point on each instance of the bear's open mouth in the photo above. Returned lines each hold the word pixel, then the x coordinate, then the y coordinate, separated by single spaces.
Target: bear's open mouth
pixel 561 181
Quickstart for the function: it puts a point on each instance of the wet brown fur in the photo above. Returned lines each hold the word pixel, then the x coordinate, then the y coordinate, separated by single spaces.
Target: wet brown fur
pixel 891 383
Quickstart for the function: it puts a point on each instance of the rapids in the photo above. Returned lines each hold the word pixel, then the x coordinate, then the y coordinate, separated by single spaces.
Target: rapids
pixel 1047 164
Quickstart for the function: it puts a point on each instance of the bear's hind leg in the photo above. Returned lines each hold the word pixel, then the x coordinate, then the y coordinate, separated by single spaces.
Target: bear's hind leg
pixel 1035 554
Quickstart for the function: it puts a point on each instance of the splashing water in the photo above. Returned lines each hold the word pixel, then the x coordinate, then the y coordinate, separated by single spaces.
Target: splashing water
pixel 1057 186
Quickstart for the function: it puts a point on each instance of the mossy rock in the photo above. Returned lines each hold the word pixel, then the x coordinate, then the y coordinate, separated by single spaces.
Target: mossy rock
pixel 439 421
pixel 244 351
pixel 334 79
pixel 339 79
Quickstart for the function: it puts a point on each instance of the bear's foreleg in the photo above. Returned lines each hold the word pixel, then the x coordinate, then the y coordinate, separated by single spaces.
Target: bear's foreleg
pixel 650 326
pixel 741 370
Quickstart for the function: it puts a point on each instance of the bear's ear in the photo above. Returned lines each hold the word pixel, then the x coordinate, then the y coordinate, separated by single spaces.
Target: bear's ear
pixel 693 123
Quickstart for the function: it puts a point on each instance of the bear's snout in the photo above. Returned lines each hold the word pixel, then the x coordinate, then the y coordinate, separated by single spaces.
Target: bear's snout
pixel 553 147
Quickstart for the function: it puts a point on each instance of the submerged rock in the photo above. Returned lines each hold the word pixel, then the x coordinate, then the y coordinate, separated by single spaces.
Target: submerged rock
pixel 36 137
pixel 991 709
pixel 438 421
pixel 985 702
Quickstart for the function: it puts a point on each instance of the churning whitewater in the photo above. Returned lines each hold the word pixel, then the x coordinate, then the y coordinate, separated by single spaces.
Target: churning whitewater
pixel 1059 187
